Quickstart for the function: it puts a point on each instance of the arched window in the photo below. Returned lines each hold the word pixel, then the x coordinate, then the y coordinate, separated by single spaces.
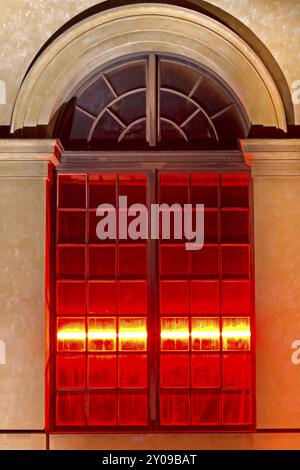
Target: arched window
pixel 147 333
pixel 153 101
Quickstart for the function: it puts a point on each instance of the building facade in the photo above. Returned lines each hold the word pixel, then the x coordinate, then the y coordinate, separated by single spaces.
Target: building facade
pixel 143 344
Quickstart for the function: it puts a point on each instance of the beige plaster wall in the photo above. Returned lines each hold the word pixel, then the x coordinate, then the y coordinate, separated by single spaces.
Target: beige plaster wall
pixel 22 286
pixel 25 25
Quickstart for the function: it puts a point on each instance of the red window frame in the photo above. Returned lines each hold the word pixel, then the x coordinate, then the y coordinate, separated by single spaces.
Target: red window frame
pixel 192 394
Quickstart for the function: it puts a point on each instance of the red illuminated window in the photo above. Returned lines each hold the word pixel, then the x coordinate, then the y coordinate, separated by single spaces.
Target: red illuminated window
pixel 148 334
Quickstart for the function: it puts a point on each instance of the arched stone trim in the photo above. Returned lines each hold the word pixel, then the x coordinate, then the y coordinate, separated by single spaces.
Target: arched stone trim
pixel 111 34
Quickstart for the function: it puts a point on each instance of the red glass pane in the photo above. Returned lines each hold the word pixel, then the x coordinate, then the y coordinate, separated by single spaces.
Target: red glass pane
pixel 102 370
pixel 70 409
pixel 173 260
pixel 174 334
pixel 70 298
pixel 211 224
pixel 133 297
pixel 174 370
pixel 102 408
pixel 71 227
pixel 71 262
pixel 102 334
pixel 132 370
pixel 133 408
pixel 173 189
pixel 236 297
pixel 70 370
pixel 205 262
pixel 134 187
pixel 71 334
pixel 237 407
pixel 206 407
pixel 205 370
pixel 205 334
pixel 235 226
pixel 174 408
pixel 132 334
pixel 174 297
pixel 102 261
pixel 102 190
pixel 236 370
pixel 102 297
pixel 205 297
pixel 133 261
pixel 72 191
pixel 236 334
pixel 235 261
pixel 204 189
pixel 234 191
pixel 93 221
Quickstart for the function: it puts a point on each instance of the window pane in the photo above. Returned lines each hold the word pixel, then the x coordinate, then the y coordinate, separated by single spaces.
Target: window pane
pixel 174 334
pixel 235 261
pixel 205 297
pixel 133 297
pixel 71 262
pixel 205 334
pixel 70 298
pixel 173 261
pixel 132 261
pixel 133 408
pixel 205 262
pixel 102 260
pixel 71 227
pixel 234 191
pixel 174 408
pixel 132 334
pixel 70 409
pixel 174 370
pixel 205 370
pixel 206 407
pixel 174 297
pixel 70 370
pixel 102 370
pixel 236 370
pixel 102 335
pixel 72 191
pixel 236 297
pixel 71 335
pixel 102 408
pixel 237 407
pixel 102 297
pixel 204 190
pixel 236 334
pixel 235 226
pixel 133 371
pixel 102 190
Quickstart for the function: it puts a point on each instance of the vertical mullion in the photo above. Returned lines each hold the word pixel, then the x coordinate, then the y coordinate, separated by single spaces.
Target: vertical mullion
pixel 118 298
pixel 151 100
pixel 220 287
pixel 86 297
pixel 190 309
pixel 153 352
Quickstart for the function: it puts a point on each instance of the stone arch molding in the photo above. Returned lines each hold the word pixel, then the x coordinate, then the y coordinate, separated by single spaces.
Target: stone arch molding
pixel 75 55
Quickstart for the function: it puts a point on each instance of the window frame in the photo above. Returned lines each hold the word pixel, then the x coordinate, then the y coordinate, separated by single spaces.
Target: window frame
pixel 149 163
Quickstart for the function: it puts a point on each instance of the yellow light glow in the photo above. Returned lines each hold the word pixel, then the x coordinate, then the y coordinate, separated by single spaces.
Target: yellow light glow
pixel 98 334
pixel 236 333
pixel 71 335
pixel 206 334
pixel 133 334
pixel 174 334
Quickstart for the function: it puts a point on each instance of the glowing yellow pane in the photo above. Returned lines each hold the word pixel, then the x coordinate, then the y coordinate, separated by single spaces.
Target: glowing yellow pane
pixel 205 334
pixel 71 334
pixel 132 334
pixel 236 334
pixel 174 335
pixel 102 335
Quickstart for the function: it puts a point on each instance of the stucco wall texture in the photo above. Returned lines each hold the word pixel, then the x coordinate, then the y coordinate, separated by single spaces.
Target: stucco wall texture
pixel 25 26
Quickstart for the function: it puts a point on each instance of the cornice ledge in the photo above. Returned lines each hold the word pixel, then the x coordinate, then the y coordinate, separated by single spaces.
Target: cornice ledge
pixel 272 157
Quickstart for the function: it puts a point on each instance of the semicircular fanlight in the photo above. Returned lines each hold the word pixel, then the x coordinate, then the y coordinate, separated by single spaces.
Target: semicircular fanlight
pixel 152 101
